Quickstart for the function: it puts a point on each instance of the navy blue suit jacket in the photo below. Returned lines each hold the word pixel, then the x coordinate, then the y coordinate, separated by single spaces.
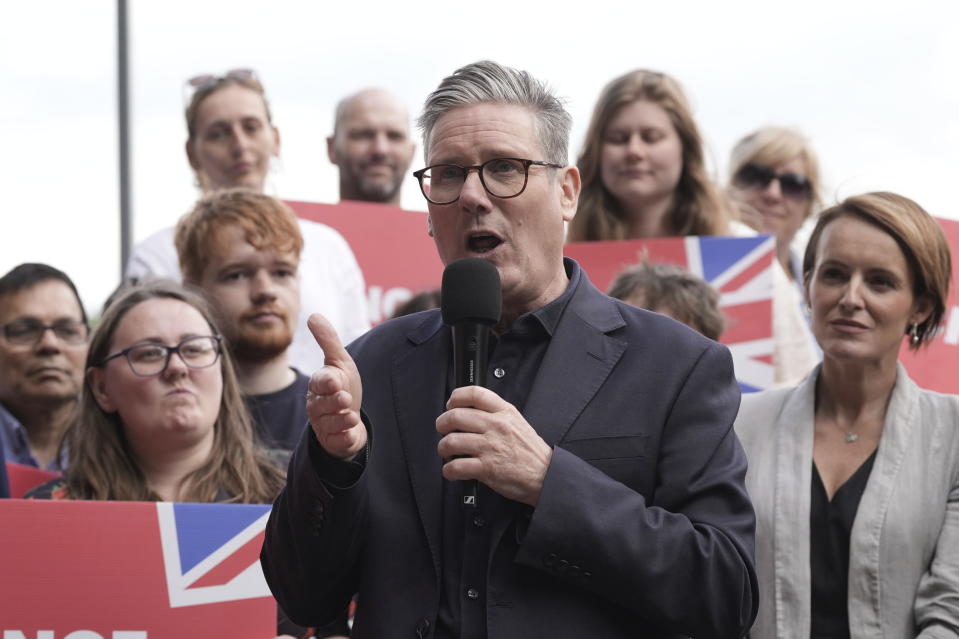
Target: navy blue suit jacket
pixel 643 527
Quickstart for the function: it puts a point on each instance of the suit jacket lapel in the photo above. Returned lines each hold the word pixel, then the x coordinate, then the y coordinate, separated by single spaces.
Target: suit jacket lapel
pixel 578 360
pixel 419 382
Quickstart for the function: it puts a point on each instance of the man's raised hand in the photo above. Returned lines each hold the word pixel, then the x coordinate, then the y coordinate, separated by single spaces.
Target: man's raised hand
pixel 335 395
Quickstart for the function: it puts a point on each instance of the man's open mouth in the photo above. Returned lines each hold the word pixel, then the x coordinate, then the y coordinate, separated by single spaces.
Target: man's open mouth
pixel 482 243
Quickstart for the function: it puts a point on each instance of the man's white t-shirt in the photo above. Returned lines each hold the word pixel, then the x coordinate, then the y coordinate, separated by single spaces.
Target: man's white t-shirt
pixel 331 283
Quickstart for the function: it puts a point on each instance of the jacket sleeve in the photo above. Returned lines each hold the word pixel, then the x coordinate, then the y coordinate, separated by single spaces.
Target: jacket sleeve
pixel 681 558
pixel 315 534
pixel 937 600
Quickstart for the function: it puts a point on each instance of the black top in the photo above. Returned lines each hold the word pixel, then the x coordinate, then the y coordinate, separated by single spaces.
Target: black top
pixel 514 360
pixel 830 525
pixel 280 417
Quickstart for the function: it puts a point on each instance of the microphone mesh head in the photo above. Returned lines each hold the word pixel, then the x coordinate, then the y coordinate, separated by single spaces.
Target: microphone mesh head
pixel 471 292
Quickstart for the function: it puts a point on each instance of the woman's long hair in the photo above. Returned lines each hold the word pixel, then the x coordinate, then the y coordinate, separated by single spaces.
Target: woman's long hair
pixel 103 466
pixel 699 208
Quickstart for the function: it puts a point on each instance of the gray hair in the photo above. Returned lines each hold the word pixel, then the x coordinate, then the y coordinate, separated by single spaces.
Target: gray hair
pixel 490 82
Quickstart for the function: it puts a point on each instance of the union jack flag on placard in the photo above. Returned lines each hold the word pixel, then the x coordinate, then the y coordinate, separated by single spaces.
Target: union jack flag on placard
pixel 211 553
pixel 133 569
pixel 740 268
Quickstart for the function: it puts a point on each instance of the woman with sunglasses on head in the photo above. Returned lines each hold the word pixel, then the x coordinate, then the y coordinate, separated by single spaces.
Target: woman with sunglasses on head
pixel 232 142
pixel 160 415
pixel 854 474
pixel 642 167
pixel 775 181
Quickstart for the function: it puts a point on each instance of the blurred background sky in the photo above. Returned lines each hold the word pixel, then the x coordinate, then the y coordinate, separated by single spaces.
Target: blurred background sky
pixel 875 85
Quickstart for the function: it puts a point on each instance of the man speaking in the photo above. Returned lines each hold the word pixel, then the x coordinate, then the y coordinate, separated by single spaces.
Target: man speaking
pixel 610 498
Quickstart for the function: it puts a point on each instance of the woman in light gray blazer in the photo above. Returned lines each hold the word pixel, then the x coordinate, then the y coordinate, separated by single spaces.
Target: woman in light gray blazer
pixel 854 474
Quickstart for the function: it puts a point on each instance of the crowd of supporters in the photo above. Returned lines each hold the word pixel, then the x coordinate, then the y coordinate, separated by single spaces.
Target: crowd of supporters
pixel 190 384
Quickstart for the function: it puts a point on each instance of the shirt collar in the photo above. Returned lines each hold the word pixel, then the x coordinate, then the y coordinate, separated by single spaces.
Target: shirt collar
pixel 548 315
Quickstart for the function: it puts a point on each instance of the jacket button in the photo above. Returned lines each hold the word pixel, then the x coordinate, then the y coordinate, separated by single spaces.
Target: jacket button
pixel 423 628
pixel 472 593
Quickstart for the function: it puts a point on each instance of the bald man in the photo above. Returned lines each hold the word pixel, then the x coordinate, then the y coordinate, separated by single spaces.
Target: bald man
pixel 371 145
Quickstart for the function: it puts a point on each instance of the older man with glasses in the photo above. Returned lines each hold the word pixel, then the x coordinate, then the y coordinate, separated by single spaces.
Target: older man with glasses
pixel 610 497
pixel 43 344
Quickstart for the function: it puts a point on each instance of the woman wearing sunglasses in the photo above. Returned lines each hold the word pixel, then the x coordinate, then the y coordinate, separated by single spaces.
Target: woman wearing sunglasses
pixel 642 166
pixel 232 142
pixel 854 474
pixel 775 180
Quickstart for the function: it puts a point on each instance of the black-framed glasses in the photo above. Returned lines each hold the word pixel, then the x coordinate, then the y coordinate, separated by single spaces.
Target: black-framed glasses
pixel 149 358
pixel 501 177
pixel 28 331
pixel 757 176
pixel 206 80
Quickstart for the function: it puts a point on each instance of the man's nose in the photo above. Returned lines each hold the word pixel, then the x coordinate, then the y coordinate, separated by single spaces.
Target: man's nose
pixel 381 144
pixel 49 341
pixel 262 285
pixel 473 196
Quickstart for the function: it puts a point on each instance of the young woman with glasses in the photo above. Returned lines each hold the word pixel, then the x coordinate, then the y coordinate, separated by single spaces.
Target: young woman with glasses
pixel 161 417
pixel 642 166
pixel 774 177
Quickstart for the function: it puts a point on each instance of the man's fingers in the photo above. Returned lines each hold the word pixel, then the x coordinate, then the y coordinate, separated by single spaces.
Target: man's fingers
pixel 476 397
pixel 460 445
pixel 325 335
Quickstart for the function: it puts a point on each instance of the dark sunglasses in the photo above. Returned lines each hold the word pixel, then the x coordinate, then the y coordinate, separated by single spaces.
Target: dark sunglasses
pixel 756 176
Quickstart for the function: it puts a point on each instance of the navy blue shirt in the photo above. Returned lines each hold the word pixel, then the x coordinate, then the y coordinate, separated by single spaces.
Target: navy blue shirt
pixel 514 360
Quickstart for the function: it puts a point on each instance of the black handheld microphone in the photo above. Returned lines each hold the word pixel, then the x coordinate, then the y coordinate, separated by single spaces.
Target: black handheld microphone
pixel 471 303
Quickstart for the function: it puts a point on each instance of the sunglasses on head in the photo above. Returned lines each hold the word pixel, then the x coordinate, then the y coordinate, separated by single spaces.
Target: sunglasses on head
pixel 207 80
pixel 756 176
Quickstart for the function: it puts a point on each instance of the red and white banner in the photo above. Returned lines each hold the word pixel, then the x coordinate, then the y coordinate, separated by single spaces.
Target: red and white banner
pixel 399 259
pixel 129 570
pixel 739 268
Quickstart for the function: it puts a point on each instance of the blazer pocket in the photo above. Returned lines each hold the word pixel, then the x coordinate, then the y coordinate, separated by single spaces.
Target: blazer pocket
pixel 608 448
pixel 619 457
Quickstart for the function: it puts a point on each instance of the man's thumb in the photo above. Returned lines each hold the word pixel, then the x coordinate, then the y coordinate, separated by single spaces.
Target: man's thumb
pixel 325 335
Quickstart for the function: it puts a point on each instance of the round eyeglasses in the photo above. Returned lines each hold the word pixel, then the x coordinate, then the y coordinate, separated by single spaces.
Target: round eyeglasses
pixel 148 359
pixel 28 331
pixel 501 177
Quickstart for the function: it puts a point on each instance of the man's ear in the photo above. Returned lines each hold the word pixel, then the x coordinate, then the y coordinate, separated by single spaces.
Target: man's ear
pixel 331 148
pixel 570 185
pixel 98 386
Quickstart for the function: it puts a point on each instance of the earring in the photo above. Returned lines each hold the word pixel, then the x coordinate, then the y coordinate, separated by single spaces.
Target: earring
pixel 429 225
pixel 914 334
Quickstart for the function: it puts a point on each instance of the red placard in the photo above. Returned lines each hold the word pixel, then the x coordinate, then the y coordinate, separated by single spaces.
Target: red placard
pixel 739 268
pixel 394 251
pixel 23 478
pixel 126 570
